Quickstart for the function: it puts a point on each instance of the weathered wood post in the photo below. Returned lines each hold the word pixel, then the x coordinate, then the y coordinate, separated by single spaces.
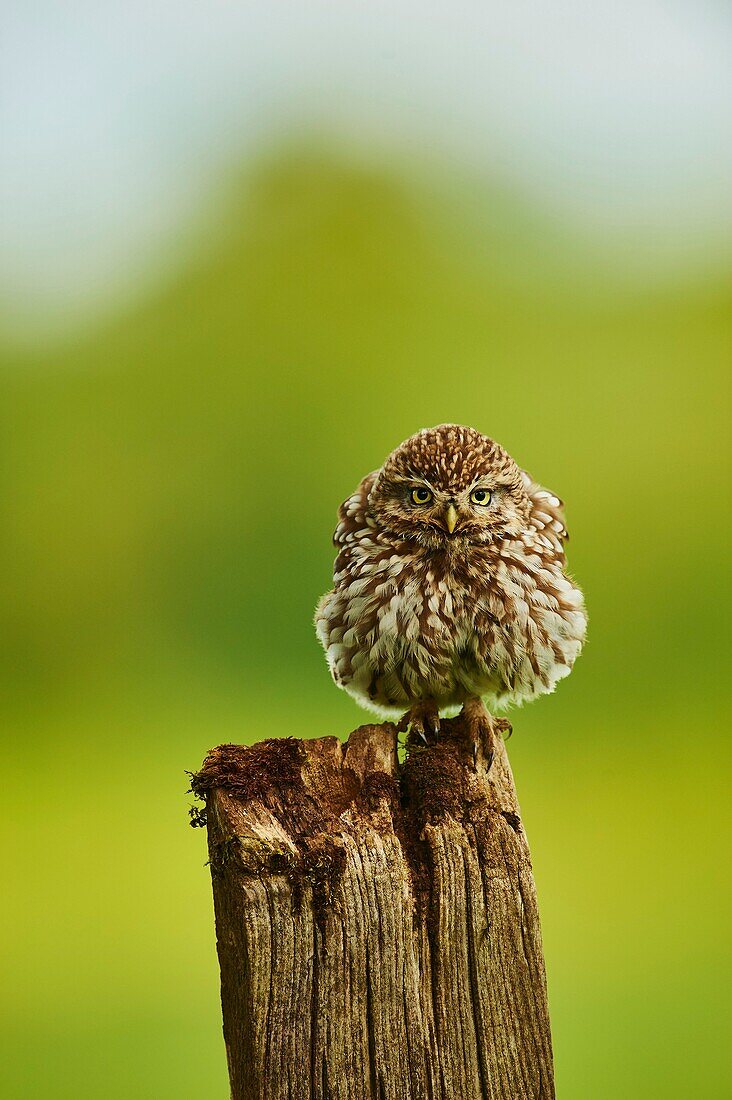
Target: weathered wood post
pixel 378 932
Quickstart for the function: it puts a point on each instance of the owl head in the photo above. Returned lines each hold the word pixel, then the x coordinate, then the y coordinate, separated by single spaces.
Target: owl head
pixel 449 486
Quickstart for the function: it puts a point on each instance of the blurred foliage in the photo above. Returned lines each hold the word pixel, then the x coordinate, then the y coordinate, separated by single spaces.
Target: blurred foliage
pixel 170 484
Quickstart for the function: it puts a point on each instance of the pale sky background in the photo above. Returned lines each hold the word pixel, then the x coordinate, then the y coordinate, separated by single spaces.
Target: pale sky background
pixel 116 120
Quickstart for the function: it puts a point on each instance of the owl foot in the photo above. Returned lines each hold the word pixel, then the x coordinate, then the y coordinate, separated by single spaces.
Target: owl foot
pixel 503 726
pixel 423 719
pixel 482 729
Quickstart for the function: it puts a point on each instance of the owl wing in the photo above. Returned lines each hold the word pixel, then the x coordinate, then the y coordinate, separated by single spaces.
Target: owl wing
pixel 352 513
pixel 547 515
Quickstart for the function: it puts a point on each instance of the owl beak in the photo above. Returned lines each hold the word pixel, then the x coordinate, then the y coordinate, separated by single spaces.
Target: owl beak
pixel 451 518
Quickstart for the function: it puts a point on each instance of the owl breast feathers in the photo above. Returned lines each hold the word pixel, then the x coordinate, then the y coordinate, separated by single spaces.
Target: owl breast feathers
pixel 450 580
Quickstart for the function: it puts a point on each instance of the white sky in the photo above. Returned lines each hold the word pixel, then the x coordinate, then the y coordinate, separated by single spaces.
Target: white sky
pixel 115 118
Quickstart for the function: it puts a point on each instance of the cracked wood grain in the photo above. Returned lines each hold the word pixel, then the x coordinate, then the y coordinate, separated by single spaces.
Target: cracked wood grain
pixel 377 926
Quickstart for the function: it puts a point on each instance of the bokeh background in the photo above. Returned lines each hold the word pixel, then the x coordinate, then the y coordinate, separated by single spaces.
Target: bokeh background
pixel 245 252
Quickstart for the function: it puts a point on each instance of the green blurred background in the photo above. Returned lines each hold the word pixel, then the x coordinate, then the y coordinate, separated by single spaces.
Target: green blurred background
pixel 172 460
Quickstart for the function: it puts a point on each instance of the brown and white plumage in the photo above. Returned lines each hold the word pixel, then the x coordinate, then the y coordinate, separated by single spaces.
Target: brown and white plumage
pixel 442 597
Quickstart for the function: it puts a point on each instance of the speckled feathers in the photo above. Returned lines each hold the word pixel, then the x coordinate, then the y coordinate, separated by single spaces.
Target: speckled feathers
pixel 425 609
pixel 450 457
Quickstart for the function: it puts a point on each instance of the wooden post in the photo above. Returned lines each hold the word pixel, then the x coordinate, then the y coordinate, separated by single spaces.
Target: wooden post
pixel 378 932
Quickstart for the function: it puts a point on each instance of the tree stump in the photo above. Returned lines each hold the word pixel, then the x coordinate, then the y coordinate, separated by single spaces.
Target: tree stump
pixel 377 926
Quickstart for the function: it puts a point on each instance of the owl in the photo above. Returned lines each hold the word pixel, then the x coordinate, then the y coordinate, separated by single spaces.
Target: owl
pixel 450 587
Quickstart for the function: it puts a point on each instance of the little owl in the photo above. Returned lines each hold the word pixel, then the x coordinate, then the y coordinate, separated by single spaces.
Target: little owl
pixel 450 586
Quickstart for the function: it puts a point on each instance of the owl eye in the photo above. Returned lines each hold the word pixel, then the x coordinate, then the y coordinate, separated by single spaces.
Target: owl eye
pixel 480 496
pixel 420 496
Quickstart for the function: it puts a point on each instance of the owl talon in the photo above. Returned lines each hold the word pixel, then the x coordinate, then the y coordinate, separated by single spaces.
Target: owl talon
pixel 503 726
pixel 422 719
pixel 488 757
pixel 481 727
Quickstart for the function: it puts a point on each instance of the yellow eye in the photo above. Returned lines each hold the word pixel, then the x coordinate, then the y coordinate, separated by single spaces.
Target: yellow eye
pixel 420 495
pixel 480 496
